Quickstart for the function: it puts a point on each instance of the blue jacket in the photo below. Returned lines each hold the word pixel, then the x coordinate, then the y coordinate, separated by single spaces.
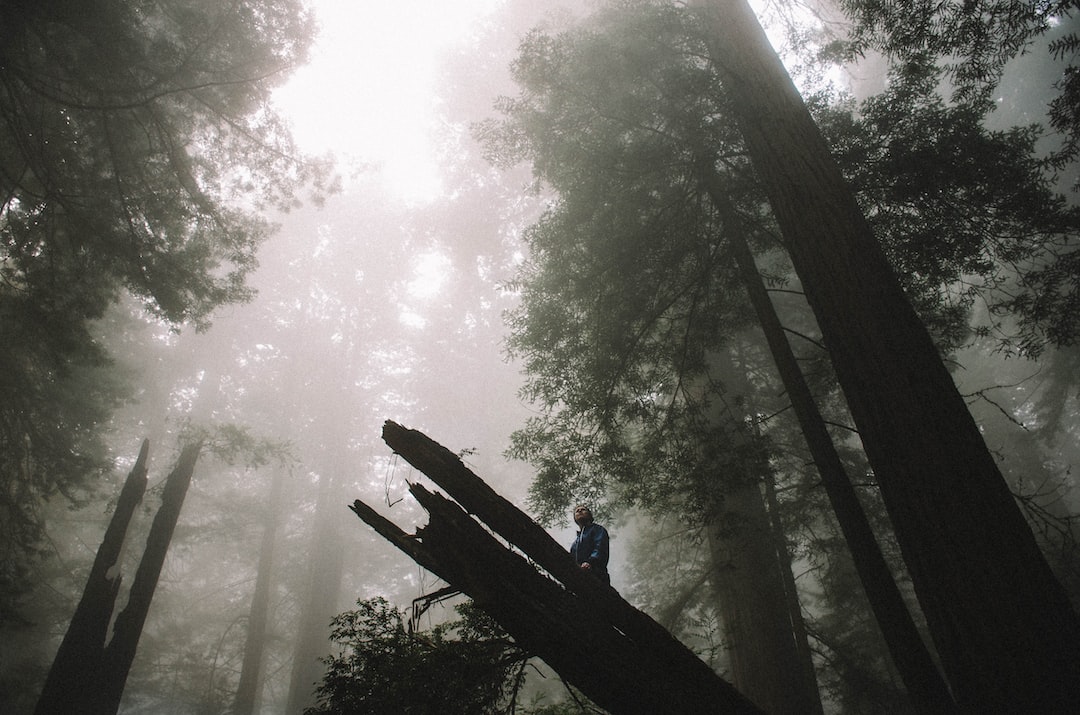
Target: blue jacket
pixel 591 545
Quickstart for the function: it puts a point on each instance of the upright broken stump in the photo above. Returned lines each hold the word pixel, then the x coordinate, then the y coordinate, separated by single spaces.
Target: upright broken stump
pixel 74 672
pixel 615 654
pixel 90 668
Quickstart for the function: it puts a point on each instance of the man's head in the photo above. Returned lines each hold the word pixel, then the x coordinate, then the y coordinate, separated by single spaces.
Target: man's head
pixel 582 515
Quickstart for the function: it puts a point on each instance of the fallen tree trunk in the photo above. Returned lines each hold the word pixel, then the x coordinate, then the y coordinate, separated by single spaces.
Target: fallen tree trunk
pixel 445 469
pixel 615 654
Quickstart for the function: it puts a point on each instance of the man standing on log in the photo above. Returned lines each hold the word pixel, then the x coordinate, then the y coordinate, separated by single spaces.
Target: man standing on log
pixel 590 548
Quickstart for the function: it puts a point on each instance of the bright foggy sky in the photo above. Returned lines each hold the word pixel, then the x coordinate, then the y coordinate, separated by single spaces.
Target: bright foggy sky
pixel 367 93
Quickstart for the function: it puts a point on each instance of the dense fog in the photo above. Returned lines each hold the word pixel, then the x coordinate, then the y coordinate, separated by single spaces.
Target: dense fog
pixel 437 252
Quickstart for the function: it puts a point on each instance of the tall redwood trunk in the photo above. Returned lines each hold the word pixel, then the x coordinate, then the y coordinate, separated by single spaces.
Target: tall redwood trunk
pixel 326 561
pixel 791 592
pixel 1003 626
pixel 247 691
pixel 764 658
pixel 910 655
pixel 747 575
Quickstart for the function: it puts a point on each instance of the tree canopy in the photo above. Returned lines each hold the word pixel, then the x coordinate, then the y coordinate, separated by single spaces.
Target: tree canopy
pixel 978 229
pixel 611 326
pixel 139 155
pixel 466 665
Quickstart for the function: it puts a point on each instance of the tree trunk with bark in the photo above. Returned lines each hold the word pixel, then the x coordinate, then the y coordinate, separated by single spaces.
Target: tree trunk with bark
pixel 1003 626
pixel 581 627
pixel 247 691
pixel 923 681
pixel 74 672
pixel 747 575
pixel 758 634
pixel 791 592
pixel 320 601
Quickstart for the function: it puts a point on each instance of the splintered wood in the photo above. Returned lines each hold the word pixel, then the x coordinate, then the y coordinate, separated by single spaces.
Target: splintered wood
pixel 611 651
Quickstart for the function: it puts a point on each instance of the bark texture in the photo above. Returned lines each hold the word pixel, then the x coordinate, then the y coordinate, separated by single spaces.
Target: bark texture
pixel 747 574
pixel 923 681
pixel 1003 626
pixel 758 634
pixel 582 628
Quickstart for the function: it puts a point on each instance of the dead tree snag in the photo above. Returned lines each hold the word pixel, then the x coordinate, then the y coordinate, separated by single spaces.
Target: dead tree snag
pixel 595 640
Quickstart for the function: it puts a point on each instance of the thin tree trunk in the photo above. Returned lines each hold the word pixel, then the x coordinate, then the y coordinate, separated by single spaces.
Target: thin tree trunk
pixel 912 658
pixel 748 576
pixel 74 671
pixel 758 635
pixel 795 614
pixel 320 604
pixel 120 652
pixel 1003 626
pixel 247 691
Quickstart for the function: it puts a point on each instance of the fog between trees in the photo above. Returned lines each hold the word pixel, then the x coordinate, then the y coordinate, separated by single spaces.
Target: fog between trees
pixel 364 307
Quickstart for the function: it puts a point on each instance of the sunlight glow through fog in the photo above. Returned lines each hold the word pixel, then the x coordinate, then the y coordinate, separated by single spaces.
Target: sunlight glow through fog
pixel 368 93
pixel 431 272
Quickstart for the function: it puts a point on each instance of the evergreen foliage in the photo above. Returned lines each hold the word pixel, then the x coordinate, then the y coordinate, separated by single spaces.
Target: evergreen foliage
pixel 976 38
pixel 974 41
pixel 464 666
pixel 138 155
pixel 966 215
pixel 627 294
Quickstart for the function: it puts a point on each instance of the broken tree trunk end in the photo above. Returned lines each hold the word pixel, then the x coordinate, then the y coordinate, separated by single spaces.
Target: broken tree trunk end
pixel 614 653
